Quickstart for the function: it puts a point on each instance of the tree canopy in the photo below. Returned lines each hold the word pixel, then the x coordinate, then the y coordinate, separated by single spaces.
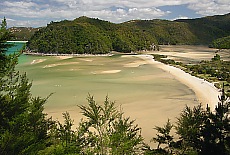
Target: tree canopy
pixel 94 36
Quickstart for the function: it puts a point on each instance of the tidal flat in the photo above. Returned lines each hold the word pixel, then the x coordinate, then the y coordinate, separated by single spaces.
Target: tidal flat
pixel 143 91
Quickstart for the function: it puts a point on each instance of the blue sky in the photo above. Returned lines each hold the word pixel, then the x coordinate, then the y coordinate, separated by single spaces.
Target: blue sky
pixel 36 13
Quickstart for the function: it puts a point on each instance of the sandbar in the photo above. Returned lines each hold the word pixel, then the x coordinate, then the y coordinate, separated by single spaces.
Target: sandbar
pixel 59 64
pixel 37 61
pixel 110 71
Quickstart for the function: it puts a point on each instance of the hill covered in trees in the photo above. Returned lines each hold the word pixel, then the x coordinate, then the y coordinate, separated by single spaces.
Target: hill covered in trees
pixel 22 33
pixel 209 28
pixel 88 35
pixel 222 43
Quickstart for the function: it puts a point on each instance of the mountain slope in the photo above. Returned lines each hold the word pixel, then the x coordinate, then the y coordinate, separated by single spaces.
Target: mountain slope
pixel 207 29
pixel 89 35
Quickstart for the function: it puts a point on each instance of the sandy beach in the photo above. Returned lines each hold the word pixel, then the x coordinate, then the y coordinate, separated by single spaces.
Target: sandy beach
pixel 148 91
pixel 205 91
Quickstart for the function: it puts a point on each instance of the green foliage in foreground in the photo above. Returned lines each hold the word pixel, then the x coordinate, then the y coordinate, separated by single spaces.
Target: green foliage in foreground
pixel 23 126
pixel 105 131
pixel 200 131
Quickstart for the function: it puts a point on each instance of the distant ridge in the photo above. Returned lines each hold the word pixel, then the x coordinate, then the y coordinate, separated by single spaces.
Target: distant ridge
pixel 89 35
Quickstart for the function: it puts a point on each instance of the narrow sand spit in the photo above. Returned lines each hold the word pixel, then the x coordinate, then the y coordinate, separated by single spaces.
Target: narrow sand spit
pixel 206 92
pixel 37 61
pixel 63 57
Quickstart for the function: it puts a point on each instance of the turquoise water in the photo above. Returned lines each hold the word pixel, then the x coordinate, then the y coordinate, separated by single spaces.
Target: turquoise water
pixel 16 48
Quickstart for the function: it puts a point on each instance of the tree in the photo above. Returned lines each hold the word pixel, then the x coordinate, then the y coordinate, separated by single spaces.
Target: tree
pixel 216 58
pixel 4 24
pixel 200 131
pixel 189 127
pixel 23 125
pixel 107 131
pixel 164 137
pixel 217 128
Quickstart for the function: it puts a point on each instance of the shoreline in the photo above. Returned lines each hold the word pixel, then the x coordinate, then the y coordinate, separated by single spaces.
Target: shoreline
pixel 73 55
pixel 205 91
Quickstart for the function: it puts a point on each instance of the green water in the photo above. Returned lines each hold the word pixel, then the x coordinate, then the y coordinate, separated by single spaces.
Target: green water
pixel 144 92
pixel 16 48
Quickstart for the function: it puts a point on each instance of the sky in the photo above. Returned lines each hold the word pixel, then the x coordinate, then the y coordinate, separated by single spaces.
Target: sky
pixel 37 13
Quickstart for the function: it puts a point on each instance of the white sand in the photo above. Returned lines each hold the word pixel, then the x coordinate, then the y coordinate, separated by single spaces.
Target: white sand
pixel 87 60
pixel 59 64
pixel 36 61
pixel 63 57
pixel 110 71
pixel 206 92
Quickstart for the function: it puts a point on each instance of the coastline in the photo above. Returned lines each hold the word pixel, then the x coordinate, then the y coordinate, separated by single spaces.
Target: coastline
pixel 205 91
pixel 59 55
pixel 17 41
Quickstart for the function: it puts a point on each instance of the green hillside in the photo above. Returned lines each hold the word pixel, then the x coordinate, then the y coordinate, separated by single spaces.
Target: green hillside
pixel 87 35
pixel 166 32
pixel 94 36
pixel 22 33
pixel 222 43
pixel 207 29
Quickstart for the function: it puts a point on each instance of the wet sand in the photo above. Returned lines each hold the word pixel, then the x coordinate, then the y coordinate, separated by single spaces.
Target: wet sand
pixel 147 91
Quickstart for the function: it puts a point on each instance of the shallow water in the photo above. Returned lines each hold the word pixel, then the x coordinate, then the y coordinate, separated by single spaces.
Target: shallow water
pixel 145 92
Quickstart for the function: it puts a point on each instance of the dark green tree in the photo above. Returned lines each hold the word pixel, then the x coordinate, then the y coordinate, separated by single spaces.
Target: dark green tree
pixel 164 137
pixel 107 131
pixel 23 125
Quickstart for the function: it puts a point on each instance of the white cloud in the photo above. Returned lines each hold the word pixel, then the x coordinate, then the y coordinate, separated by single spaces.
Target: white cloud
pixel 181 17
pixel 210 7
pixel 37 11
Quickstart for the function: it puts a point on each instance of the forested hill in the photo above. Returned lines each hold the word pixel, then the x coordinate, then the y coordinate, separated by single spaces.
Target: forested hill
pixel 209 28
pixel 88 35
pixel 22 33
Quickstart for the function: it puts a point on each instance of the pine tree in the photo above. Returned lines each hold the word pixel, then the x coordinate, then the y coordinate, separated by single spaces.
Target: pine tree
pixel 107 131
pixel 23 125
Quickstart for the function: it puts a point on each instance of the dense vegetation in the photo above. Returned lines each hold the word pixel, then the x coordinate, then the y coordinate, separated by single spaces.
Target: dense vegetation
pixel 209 28
pixel 87 35
pixel 22 33
pixel 165 32
pixel 215 70
pixel 222 43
